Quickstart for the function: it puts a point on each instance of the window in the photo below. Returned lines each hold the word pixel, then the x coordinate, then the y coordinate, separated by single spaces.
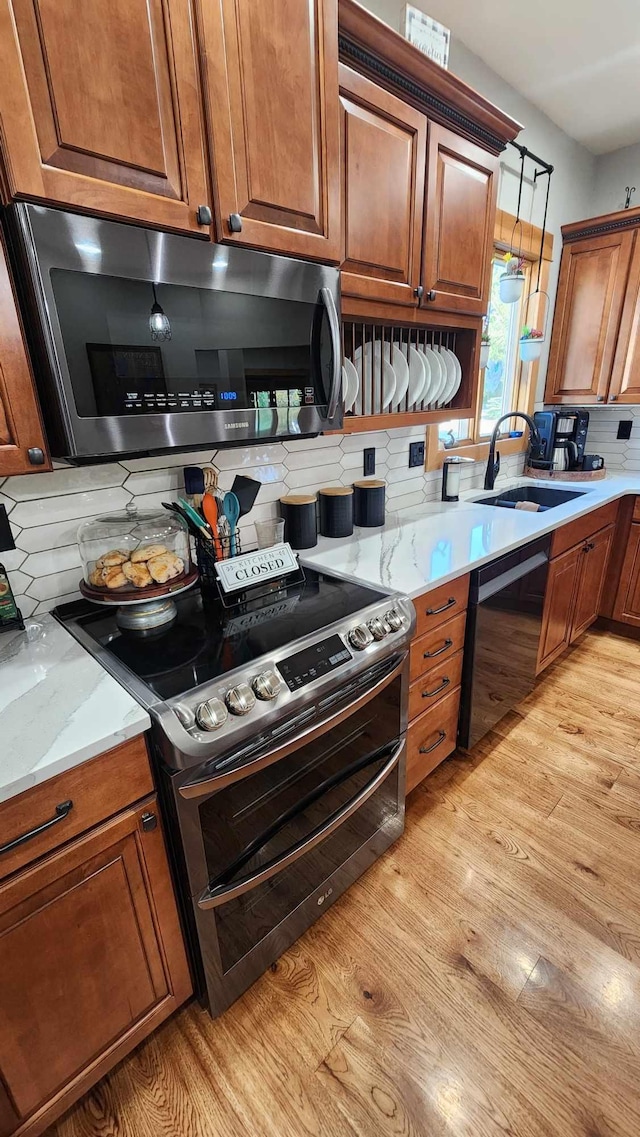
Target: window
pixel 504 384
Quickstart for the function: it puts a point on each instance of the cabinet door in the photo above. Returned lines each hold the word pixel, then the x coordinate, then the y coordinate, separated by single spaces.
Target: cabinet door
pixel 593 570
pixel 558 606
pixel 20 424
pixel 591 290
pixel 625 377
pixel 271 95
pixel 91 958
pixel 459 217
pixel 100 107
pixel 627 603
pixel 383 157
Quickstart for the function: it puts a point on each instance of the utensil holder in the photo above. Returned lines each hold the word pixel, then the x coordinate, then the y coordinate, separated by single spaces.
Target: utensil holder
pixel 368 503
pixel 206 556
pixel 300 520
pixel 336 511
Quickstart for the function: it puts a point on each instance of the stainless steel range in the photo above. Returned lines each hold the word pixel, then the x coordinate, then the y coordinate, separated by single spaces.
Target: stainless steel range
pixel 278 736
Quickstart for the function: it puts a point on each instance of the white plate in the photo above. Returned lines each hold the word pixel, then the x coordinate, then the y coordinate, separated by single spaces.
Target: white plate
pixel 429 374
pixel 417 377
pixel 446 355
pixel 458 367
pixel 350 384
pixel 438 376
pixel 398 361
pixel 363 404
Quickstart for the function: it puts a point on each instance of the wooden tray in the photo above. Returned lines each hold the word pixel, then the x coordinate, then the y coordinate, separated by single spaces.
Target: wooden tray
pixel 566 475
pixel 138 595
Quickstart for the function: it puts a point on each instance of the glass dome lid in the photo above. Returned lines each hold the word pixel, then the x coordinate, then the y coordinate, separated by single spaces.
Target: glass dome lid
pixel 133 550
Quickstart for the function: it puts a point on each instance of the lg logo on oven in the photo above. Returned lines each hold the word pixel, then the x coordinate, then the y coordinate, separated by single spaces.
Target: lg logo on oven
pixel 325 896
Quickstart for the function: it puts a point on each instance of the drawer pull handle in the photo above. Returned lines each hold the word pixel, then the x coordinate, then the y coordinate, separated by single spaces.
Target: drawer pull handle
pixel 436 690
pixel 436 611
pixel 432 654
pixel 62 811
pixel 442 734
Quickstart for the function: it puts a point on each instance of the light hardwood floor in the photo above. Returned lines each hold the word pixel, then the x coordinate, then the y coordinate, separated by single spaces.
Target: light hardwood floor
pixel 482 978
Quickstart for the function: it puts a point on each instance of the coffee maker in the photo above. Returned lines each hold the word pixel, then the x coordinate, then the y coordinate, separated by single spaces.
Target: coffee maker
pixel 563 437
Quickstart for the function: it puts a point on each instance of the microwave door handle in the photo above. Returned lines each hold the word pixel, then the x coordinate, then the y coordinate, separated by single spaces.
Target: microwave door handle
pixel 204 787
pixel 326 298
pixel 214 897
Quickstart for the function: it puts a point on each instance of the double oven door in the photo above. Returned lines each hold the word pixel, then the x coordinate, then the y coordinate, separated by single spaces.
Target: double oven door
pixel 270 841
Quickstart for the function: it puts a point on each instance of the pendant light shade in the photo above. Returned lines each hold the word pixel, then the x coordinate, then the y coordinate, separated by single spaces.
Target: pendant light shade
pixel 159 325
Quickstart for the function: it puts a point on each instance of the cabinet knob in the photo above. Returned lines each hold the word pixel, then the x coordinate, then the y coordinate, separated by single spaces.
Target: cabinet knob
pixel 148 821
pixel 419 292
pixel 35 456
pixel 612 398
pixel 431 294
pixel 235 223
pixel 599 398
pixel 203 215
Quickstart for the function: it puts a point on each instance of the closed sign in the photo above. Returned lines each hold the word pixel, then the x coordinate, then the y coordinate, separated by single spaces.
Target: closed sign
pixel 252 568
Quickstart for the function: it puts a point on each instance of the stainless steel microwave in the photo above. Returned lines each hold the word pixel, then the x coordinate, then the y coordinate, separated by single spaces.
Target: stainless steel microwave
pixel 147 341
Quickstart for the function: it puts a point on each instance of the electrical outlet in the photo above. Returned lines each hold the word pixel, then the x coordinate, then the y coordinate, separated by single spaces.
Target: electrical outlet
pixel 624 428
pixel 416 454
pixel 369 463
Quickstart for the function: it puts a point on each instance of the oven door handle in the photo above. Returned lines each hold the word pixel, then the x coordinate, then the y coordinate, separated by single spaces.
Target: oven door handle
pixel 326 298
pixel 196 788
pixel 214 897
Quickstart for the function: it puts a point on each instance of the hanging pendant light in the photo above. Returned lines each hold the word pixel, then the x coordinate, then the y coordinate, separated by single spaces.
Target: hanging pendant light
pixel 159 325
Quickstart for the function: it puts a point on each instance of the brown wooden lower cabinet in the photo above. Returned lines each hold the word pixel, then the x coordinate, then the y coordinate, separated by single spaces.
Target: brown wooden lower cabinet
pixel 439 681
pixel 626 607
pixel 431 738
pixel 574 590
pixel 91 961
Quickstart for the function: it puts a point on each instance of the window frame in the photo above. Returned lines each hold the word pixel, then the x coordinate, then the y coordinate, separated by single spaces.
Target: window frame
pixel 526 377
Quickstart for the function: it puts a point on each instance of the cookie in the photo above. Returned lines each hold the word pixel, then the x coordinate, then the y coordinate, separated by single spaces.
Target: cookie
pixel 148 552
pixel 114 577
pixel 165 567
pixel 114 557
pixel 96 578
pixel 138 575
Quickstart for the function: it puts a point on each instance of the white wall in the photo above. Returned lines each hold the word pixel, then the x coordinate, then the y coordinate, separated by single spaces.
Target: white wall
pixel 613 172
pixel 574 166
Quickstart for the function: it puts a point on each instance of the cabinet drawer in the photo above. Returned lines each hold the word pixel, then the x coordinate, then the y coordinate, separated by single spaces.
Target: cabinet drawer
pixel 576 531
pixel 437 683
pixel 436 646
pixel 432 738
pixel 96 789
pixel 433 608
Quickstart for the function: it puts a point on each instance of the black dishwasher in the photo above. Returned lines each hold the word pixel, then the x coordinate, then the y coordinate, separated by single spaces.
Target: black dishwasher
pixel 504 623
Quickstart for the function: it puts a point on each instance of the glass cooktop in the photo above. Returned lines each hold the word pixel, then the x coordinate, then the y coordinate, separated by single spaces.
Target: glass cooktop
pixel 207 640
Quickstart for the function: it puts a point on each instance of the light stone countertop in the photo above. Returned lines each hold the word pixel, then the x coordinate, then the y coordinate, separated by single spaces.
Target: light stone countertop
pixel 58 706
pixel 431 544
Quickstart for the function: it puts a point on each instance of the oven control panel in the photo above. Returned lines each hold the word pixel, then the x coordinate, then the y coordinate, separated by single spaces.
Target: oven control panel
pixel 314 662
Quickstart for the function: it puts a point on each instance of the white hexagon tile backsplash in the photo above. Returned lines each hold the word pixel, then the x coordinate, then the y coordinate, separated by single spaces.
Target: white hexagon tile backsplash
pixel 46 509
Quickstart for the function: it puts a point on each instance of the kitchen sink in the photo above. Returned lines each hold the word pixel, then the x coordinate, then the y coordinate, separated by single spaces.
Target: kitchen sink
pixel 545 497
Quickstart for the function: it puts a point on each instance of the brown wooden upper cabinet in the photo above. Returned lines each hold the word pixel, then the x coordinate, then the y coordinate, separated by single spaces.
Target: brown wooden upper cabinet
pixel 100 108
pixel 459 215
pixel 593 357
pixel 383 162
pixel 23 449
pixel 271 96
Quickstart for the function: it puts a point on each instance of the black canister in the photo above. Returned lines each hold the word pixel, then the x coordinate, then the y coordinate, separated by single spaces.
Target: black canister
pixel 368 502
pixel 300 521
pixel 336 511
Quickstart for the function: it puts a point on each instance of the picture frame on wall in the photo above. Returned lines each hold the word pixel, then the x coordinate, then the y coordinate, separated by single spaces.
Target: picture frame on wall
pixel 425 33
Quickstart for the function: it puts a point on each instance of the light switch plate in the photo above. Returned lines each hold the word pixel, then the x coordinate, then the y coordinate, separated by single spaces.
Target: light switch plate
pixel 416 454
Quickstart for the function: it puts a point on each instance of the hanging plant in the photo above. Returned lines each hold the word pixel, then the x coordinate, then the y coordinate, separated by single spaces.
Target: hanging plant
pixel 512 279
pixel 531 341
pixel 485 348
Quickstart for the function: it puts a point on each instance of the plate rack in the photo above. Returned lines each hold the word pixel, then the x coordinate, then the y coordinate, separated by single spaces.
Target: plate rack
pixel 357 334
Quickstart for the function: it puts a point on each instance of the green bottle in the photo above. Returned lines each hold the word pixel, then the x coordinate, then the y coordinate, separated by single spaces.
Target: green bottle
pixel 10 615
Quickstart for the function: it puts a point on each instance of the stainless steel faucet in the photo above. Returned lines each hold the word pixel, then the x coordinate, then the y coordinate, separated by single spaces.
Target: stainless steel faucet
pixel 493 461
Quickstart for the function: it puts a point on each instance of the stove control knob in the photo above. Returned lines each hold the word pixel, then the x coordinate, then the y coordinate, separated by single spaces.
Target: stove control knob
pixel 360 637
pixel 395 619
pixel 240 699
pixel 378 628
pixel 211 715
pixel 267 685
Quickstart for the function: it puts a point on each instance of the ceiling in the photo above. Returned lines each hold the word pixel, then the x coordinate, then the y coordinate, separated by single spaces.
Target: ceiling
pixel 578 60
